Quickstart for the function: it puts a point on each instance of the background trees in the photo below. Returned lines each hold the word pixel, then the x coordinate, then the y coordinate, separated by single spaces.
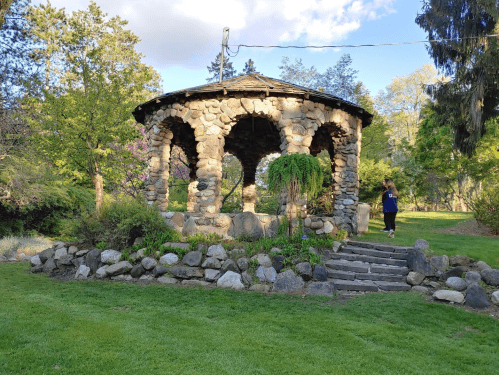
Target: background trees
pixel 470 58
pixel 93 80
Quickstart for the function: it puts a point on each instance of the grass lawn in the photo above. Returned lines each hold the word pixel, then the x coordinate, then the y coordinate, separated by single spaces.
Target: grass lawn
pixel 89 327
pixel 424 225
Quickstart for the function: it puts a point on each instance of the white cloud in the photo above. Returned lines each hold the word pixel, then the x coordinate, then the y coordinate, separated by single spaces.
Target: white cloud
pixel 189 32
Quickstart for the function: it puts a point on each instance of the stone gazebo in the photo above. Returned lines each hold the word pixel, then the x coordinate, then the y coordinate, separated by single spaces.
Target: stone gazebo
pixel 250 116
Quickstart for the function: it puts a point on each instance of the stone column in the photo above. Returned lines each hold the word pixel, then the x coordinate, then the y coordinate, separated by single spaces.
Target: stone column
pixel 209 174
pixel 249 188
pixel 192 189
pixel 159 167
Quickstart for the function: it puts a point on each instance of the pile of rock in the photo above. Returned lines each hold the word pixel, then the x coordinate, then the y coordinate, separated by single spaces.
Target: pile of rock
pixel 457 279
pixel 206 266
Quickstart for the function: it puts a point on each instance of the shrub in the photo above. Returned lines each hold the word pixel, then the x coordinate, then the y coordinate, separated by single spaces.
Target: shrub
pixel 120 223
pixel 487 208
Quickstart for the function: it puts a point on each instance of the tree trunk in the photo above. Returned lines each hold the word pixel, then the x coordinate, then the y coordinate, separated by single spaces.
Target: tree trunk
pixel 98 182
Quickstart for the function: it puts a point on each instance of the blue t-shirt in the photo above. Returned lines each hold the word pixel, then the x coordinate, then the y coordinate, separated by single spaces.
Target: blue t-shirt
pixel 390 202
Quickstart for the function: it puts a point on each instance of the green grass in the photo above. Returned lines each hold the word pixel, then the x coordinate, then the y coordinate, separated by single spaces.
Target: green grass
pixel 424 225
pixel 115 328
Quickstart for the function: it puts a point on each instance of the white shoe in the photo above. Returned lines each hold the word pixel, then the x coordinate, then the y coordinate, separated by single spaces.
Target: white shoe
pixel 391 234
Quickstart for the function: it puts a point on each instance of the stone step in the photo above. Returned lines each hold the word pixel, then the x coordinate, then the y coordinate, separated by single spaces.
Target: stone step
pixel 374 253
pixel 345 275
pixel 370 259
pixel 356 285
pixel 376 246
pixel 361 267
pixel 392 286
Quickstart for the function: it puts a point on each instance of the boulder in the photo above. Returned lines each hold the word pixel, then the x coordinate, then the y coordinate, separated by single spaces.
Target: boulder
pixel 414 278
pixel 60 252
pixel 193 258
pixel 101 273
pixel 449 295
pixel 92 260
pixel 49 265
pixel 189 227
pixel 243 263
pixel 148 263
pixel 456 283
pixel 476 297
pixel 459 260
pixel 211 274
pixel 421 244
pixel 288 282
pixel 159 271
pixel 246 224
pixel 110 256
pixel 217 251
pixel 119 268
pixel 491 276
pixel 178 219
pixel 495 297
pixel 453 272
pixel 168 259
pixel 81 253
pixel 229 265
pixel 137 271
pixel 321 289
pixel 420 289
pixel 72 250
pixel 179 245
pixel 185 272
pixel 230 280
pixel 246 278
pixel 146 279
pixel 122 278
pixel 416 261
pixel 35 261
pixel 304 270
pixel 58 244
pixel 278 262
pixel 46 254
pixel 440 262
pixel 262 259
pixel 481 265
pixel 82 272
pixel 195 283
pixel 166 280
pixel 320 273
pixel 65 260
pixel 472 277
pixel 266 274
pixel 211 262
pixel 263 288
pixel 4 259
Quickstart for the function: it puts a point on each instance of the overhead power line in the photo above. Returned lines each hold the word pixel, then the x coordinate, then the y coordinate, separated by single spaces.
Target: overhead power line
pixel 357 45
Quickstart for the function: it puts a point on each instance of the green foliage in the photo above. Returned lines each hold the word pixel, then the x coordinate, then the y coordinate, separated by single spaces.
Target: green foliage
pixel 101 245
pixel 283 229
pixel 371 175
pixel 120 223
pixel 487 208
pixel 341 235
pixel 203 238
pixel 297 174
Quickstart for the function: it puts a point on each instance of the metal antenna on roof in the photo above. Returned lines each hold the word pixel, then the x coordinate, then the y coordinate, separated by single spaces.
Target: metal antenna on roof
pixel 225 39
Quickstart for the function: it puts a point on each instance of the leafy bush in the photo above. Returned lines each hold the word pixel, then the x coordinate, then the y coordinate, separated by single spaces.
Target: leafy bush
pixel 487 208
pixel 120 223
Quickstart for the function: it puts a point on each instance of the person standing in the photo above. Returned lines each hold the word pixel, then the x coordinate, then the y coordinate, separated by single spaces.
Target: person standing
pixel 390 208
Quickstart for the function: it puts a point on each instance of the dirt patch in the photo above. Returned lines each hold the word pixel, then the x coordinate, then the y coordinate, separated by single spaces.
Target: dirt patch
pixel 471 228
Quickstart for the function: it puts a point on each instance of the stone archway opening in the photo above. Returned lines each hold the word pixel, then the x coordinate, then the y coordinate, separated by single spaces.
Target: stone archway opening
pixel 232 175
pixel 250 140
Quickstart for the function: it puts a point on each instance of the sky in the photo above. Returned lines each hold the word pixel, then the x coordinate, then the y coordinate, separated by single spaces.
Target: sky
pixel 180 38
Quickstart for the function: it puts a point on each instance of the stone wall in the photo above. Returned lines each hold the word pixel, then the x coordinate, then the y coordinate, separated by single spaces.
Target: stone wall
pixel 211 120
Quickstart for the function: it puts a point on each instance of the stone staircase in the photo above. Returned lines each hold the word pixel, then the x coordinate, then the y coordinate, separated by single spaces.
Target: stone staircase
pixel 369 267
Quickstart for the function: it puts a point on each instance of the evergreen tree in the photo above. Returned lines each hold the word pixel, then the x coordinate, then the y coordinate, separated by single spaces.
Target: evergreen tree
pixel 214 69
pixel 470 57
pixel 249 67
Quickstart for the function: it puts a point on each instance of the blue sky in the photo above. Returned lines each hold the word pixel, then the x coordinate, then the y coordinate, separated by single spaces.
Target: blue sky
pixel 181 37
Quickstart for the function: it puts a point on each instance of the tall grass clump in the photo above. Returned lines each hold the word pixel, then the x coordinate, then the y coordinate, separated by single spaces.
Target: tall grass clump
pixel 12 245
pixel 118 223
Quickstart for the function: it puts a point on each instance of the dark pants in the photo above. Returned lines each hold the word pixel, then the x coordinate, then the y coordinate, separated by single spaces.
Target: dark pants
pixel 389 218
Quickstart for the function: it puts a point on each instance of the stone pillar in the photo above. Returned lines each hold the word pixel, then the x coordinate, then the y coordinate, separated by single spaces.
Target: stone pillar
pixel 249 189
pixel 209 174
pixel 192 189
pixel 159 167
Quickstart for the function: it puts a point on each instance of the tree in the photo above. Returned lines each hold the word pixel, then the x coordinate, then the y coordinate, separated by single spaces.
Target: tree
pixel 402 100
pixel 82 119
pixel 214 69
pixel 466 52
pixel 249 67
pixel 338 80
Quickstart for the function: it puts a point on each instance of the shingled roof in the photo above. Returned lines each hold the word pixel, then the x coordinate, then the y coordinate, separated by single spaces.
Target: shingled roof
pixel 255 82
